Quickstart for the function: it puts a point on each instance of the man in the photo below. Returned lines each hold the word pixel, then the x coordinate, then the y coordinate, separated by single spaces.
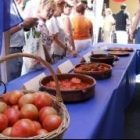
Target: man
pixel 17 40
pixel 122 19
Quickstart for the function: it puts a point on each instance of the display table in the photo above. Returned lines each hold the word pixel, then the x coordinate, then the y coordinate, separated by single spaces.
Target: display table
pixel 103 115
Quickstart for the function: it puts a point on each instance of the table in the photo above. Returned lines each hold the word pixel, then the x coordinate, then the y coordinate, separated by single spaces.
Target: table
pixel 103 115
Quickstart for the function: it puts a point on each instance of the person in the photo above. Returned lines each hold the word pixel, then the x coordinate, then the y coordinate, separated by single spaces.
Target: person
pixel 31 8
pixel 66 25
pixel 122 18
pixel 58 47
pixel 17 41
pixel 73 3
pixel 135 29
pixel 82 29
pixel 109 21
pixel 45 12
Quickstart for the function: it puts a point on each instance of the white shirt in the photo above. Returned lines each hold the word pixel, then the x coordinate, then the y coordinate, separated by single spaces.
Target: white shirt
pixel 18 38
pixel 89 14
pixel 31 9
pixel 54 27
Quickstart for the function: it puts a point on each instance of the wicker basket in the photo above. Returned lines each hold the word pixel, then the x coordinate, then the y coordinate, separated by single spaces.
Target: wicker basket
pixel 58 102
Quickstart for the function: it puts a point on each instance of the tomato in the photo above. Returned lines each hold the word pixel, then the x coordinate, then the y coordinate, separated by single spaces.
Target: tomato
pixel 42 132
pixel 7 131
pixel 52 84
pixel 76 80
pixel 29 111
pixel 3 122
pixel 51 122
pixel 37 125
pixel 66 84
pixel 3 107
pixel 46 111
pixel 16 107
pixel 43 99
pixel 6 97
pixel 13 115
pixel 23 128
pixel 26 99
pixel 15 96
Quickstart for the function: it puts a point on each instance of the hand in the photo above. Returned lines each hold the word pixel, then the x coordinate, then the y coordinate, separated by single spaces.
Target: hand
pixel 74 53
pixel 30 22
pixel 131 36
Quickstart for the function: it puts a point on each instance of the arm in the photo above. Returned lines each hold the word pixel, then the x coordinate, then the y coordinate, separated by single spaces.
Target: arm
pixel 27 24
pixel 14 29
pixel 134 26
pixel 68 31
pixel 47 55
pixel 61 44
pixel 91 30
pixel 135 23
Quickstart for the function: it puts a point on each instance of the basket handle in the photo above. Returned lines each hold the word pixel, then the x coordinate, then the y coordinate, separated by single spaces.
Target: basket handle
pixel 4 86
pixel 46 64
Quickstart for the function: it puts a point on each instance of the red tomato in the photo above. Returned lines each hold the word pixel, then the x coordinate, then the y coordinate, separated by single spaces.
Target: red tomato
pixel 6 97
pixel 13 115
pixel 76 80
pixel 46 111
pixel 43 99
pixel 7 131
pixel 3 107
pixel 66 84
pixel 26 99
pixel 42 132
pixel 37 125
pixel 3 122
pixel 29 111
pixel 23 128
pixel 51 122
pixel 15 96
pixel 16 107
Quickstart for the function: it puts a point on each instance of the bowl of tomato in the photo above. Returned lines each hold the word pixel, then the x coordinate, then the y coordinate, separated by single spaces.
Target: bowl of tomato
pixel 73 87
pixel 96 70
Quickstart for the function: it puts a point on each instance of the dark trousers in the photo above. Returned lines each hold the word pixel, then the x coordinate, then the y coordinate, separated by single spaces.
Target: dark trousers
pixel 14 65
pixel 137 36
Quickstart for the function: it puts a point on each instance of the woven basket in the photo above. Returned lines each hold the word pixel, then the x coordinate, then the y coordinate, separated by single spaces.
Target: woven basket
pixel 58 102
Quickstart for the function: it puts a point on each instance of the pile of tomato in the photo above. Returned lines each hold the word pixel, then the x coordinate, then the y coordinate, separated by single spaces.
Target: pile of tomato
pixel 92 67
pixel 68 84
pixel 27 115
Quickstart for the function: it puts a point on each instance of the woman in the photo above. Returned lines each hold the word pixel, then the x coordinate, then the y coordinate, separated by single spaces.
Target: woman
pixel 135 29
pixel 45 12
pixel 83 29
pixel 66 25
pixel 108 25
pixel 58 47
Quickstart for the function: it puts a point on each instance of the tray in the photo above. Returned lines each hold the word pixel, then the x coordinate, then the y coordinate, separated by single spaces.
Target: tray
pixel 129 49
pixel 119 53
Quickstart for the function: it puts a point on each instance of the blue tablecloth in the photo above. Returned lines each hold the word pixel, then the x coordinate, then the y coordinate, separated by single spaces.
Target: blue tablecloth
pixel 103 115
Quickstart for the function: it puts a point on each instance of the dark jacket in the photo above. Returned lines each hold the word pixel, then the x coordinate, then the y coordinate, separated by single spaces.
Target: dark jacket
pixel 121 20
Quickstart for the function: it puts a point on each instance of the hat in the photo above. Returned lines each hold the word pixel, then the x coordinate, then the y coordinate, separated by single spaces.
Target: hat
pixel 123 6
